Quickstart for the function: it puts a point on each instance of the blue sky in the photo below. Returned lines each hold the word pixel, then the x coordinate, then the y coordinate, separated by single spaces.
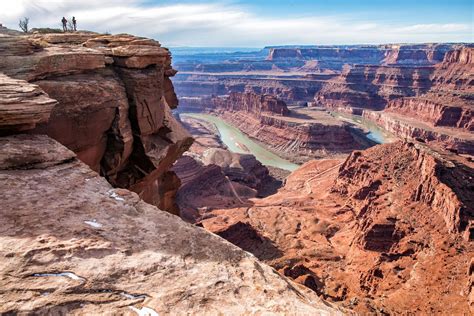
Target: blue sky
pixel 257 23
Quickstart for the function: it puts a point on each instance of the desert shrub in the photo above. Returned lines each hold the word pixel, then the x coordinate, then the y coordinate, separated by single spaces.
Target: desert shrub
pixel 45 30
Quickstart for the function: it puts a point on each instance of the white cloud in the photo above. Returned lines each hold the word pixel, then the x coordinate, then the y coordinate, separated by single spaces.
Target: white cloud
pixel 435 28
pixel 215 24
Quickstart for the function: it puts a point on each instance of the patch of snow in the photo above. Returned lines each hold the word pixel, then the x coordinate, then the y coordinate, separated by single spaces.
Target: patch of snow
pixel 115 196
pixel 145 311
pixel 131 296
pixel 62 274
pixel 93 223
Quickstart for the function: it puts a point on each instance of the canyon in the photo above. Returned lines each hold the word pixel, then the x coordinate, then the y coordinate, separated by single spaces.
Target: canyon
pixel 87 139
pixel 119 200
pixel 388 230
pixel 297 134
pixel 415 92
pixel 385 230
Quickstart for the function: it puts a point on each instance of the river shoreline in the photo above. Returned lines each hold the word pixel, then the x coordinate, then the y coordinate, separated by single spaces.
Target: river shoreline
pixel 372 131
pixel 238 142
pixel 368 132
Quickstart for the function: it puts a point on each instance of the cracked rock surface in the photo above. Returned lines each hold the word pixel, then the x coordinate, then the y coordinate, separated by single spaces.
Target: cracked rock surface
pixel 71 244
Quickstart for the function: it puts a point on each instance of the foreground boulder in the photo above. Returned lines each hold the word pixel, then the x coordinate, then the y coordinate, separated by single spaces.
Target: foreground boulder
pixel 71 244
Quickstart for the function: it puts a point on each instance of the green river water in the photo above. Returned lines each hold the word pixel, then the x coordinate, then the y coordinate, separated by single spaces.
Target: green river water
pixel 232 137
pixel 238 142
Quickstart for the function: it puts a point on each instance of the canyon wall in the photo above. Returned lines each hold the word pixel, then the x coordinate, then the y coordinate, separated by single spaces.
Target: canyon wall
pixel 391 70
pixel 410 128
pixel 114 99
pixel 74 243
pixel 428 103
pixel 292 134
pixel 251 103
pixel 372 87
pixel 433 112
pixel 287 89
pixel 212 176
pixel 388 230
pixel 333 58
pixel 375 86
pixel 426 90
pixel 367 54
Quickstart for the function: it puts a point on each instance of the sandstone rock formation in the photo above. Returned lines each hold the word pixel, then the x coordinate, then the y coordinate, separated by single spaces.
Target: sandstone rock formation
pixel 244 169
pixel 22 105
pixel 114 100
pixel 373 86
pixel 388 230
pixel 416 99
pixel 294 74
pixel 252 103
pixel 72 244
pixel 431 82
pixel 390 54
pixel 289 90
pixel 206 187
pixel 297 135
pixel 213 177
pixel 412 128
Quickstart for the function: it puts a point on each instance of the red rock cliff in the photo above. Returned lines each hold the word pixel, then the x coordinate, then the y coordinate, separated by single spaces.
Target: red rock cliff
pixel 431 100
pixel 388 230
pixel 76 245
pixel 295 135
pixel 251 103
pixel 73 243
pixel 114 99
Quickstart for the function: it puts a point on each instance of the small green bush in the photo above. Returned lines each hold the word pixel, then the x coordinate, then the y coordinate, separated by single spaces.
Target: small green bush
pixel 45 30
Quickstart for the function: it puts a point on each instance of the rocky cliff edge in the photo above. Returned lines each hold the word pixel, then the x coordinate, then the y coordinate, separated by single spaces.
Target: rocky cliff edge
pixel 71 243
pixel 111 104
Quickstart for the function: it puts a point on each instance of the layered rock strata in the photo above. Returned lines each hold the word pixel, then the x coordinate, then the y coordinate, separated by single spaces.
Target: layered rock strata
pixel 334 56
pixel 207 187
pixel 251 103
pixel 431 103
pixel 72 244
pixel 427 82
pixel 297 91
pixel 373 86
pixel 297 134
pixel 410 128
pixel 114 100
pixel 213 177
pixel 22 105
pixel 244 169
pixel 388 230
pixel 296 74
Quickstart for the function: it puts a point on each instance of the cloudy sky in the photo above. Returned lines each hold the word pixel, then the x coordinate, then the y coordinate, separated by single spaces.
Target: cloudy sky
pixel 256 23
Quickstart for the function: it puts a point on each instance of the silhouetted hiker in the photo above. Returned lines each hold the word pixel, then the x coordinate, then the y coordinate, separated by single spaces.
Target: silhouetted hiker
pixel 64 21
pixel 74 23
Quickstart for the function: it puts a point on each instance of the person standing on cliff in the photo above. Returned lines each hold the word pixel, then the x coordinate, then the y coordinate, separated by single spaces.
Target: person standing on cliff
pixel 74 23
pixel 64 22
